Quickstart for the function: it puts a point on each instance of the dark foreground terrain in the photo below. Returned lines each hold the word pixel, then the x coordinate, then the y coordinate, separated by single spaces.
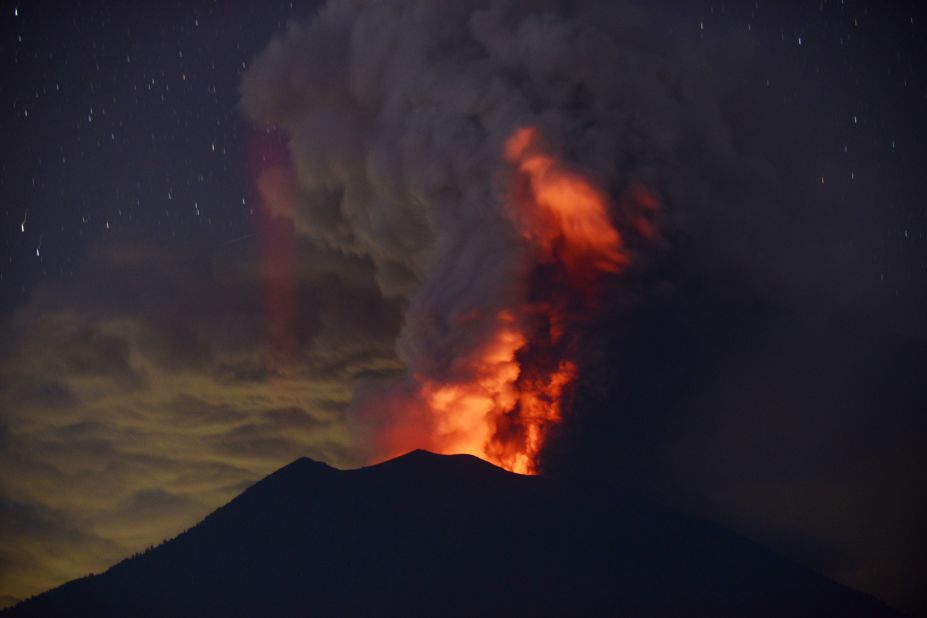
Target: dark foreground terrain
pixel 434 535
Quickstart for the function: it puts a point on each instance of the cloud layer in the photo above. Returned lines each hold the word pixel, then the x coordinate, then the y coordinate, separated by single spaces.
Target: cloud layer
pixel 146 393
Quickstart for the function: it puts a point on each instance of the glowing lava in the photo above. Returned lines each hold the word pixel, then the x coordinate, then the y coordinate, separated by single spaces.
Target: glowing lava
pixel 519 379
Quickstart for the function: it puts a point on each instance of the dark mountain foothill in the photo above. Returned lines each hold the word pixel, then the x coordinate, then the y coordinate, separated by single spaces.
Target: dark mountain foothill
pixel 434 535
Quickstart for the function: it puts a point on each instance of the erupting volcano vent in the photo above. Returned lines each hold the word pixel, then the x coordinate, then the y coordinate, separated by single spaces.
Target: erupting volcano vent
pixel 516 382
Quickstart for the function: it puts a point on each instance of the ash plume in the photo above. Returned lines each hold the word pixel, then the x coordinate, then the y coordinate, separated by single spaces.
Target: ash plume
pixel 398 116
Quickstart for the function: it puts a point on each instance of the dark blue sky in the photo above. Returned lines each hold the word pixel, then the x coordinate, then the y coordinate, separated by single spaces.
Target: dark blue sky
pixel 128 116
pixel 123 120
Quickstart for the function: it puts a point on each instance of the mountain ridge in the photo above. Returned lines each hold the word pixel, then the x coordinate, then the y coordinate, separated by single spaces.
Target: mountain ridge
pixel 450 535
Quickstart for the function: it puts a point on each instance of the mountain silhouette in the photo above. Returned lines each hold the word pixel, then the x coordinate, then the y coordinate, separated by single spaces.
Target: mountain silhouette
pixel 437 535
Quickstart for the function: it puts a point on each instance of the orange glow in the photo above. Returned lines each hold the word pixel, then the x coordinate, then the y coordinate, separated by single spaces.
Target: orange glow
pixel 464 411
pixel 514 386
pixel 561 212
pixel 469 416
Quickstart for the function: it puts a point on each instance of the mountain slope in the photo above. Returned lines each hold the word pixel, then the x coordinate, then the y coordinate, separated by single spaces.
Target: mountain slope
pixel 427 534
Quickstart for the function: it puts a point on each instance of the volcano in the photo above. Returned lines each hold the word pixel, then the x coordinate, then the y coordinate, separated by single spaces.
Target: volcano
pixel 449 535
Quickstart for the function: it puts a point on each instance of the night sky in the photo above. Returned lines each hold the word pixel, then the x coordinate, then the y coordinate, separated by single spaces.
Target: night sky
pixel 169 332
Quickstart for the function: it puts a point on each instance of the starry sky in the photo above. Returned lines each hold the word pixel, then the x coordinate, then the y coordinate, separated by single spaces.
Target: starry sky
pixel 131 126
pixel 149 369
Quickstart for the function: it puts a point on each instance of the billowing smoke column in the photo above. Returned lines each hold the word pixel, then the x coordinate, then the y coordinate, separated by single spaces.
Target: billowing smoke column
pixel 506 388
pixel 472 152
